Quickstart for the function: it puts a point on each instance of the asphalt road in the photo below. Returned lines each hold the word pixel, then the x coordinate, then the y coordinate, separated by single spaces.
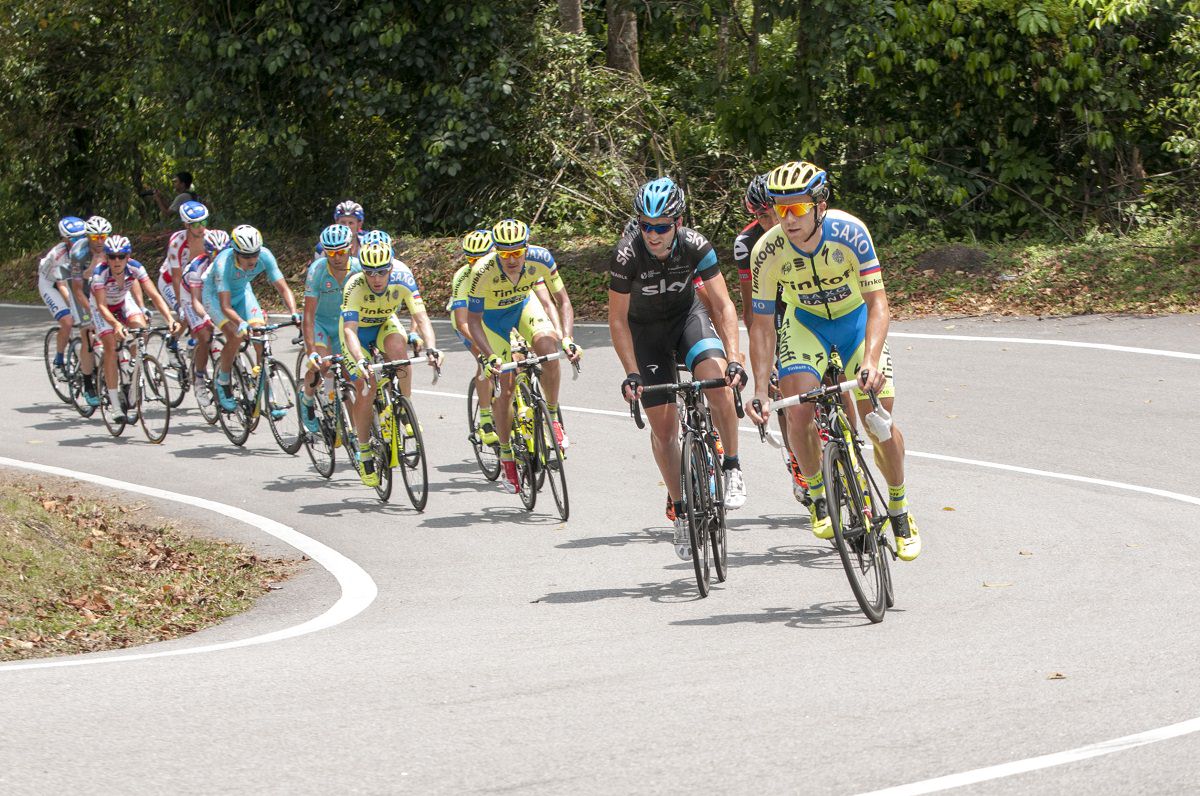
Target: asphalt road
pixel 510 652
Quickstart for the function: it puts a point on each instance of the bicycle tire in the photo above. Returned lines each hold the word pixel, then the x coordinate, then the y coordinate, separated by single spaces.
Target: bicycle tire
pixel 173 363
pixel 525 455
pixel 205 398
pixel 75 349
pixel 488 456
pixel 321 445
pixel 695 482
pixel 235 423
pixel 345 429
pixel 718 533
pixel 281 395
pixel 853 535
pixel 551 462
pixel 154 399
pixel 412 454
pixel 250 388
pixel 61 387
pixel 115 427
pixel 383 461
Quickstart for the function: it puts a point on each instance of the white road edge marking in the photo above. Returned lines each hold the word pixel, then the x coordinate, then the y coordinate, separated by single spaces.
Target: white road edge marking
pixel 357 587
pixel 18 356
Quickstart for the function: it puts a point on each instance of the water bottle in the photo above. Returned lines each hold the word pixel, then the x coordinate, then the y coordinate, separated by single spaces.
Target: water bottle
pixel 880 424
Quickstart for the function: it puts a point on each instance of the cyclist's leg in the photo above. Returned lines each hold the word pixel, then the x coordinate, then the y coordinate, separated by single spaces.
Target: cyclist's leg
pixel 60 309
pixel 654 352
pixel 497 324
pixel 255 316
pixel 362 402
pixel 704 355
pixel 393 341
pixel 537 328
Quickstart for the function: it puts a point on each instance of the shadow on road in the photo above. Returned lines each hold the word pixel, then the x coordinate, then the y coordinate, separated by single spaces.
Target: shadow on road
pixel 644 536
pixel 773 522
pixel 681 590
pixel 226 450
pixel 101 439
pixel 460 467
pixel 493 516
pixel 364 503
pixel 810 557
pixel 817 615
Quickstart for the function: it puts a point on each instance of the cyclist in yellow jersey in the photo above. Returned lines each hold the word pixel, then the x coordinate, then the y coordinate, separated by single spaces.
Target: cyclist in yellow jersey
pixel 832 289
pixel 369 304
pixel 499 293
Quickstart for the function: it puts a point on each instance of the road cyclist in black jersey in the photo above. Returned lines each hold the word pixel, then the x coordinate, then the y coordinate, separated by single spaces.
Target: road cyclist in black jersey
pixel 657 321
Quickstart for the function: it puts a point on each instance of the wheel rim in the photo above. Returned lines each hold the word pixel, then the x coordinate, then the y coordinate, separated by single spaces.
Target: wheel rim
pixel 154 400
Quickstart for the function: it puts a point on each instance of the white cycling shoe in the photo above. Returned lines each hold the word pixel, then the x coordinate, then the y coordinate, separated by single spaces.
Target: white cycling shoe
pixel 735 489
pixel 683 543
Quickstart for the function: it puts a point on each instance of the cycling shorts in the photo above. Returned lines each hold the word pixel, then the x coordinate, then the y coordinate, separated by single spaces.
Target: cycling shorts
pixel 463 339
pixel 54 301
pixel 245 305
pixel 369 336
pixel 528 318
pixel 805 341
pixel 124 312
pixel 686 339
pixel 328 335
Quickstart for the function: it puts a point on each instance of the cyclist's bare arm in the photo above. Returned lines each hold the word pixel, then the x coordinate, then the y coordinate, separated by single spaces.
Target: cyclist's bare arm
pixel 724 316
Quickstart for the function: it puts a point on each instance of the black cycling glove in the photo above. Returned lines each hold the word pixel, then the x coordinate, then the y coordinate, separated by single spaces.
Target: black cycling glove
pixel 632 381
pixel 738 373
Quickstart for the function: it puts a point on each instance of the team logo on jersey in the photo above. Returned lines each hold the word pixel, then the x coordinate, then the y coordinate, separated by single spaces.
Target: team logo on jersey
pixel 838 257
pixel 624 254
pixel 694 238
pixel 662 287
pixel 653 369
pixel 855 236
pixel 371 298
pixel 328 285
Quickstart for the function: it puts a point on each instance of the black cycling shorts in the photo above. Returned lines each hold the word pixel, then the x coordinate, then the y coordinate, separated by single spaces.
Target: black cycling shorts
pixel 687 339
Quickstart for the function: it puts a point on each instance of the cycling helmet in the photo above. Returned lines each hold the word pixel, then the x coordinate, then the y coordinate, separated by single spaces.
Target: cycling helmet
pixel 348 208
pixel 659 198
pixel 246 239
pixel 97 225
pixel 757 197
pixel 70 227
pixel 336 237
pixel 376 236
pixel 215 240
pixel 510 234
pixel 191 212
pixel 477 242
pixel 375 256
pixel 796 179
pixel 117 244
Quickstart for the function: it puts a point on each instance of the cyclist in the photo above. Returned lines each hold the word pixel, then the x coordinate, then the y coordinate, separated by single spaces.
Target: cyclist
pixel 197 318
pixel 116 306
pixel 657 320
pixel 825 262
pixel 475 245
pixel 54 274
pixel 369 305
pixel 323 290
pixel 229 298
pixel 184 245
pixel 501 284
pixel 86 255
pixel 349 214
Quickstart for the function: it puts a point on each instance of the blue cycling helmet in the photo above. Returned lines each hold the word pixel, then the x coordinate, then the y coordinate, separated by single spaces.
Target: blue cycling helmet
pixel 376 236
pixel 117 244
pixel 348 208
pixel 191 212
pixel 336 237
pixel 70 227
pixel 659 198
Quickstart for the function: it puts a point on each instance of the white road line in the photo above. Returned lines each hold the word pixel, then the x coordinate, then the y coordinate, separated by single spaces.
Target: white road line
pixel 18 356
pixel 1124 349
pixel 358 589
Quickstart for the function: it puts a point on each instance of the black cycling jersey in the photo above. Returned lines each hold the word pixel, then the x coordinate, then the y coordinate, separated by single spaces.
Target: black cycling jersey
pixel 660 289
pixel 743 244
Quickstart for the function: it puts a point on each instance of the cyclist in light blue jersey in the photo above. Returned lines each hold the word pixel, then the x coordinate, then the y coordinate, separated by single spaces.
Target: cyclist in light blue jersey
pixel 323 308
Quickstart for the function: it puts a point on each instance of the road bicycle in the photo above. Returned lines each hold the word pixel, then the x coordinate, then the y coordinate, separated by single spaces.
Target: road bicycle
pixel 399 433
pixel 701 480
pixel 60 376
pixel 857 508
pixel 262 390
pixel 142 390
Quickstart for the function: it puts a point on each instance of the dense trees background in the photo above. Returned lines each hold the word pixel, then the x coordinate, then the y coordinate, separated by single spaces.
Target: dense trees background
pixel 986 118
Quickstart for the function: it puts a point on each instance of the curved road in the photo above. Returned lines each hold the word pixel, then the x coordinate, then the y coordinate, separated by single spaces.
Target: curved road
pixel 510 652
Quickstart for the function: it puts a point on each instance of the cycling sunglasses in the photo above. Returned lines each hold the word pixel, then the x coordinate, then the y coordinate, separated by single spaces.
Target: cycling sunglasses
pixel 197 224
pixel 97 237
pixel 511 254
pixel 657 229
pixel 117 256
pixel 337 252
pixel 798 209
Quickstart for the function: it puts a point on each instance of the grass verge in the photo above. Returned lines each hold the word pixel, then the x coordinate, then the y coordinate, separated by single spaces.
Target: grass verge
pixel 79 573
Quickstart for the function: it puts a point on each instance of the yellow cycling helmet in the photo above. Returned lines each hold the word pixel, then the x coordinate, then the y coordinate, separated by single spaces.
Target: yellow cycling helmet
pixel 797 178
pixel 510 234
pixel 375 256
pixel 477 242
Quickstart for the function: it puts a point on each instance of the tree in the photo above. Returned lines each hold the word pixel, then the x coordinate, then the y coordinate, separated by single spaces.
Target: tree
pixel 622 37
pixel 570 16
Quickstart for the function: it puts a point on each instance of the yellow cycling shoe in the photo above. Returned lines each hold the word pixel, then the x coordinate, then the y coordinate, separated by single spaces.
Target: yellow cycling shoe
pixel 371 478
pixel 488 435
pixel 908 542
pixel 822 526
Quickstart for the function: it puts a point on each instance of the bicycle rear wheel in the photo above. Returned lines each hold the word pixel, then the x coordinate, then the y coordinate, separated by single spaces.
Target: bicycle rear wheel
pixel 173 363
pixel 382 451
pixel 550 463
pixel 853 534
pixel 413 464
pixel 60 385
pixel 320 446
pixel 525 447
pixel 109 413
pixel 154 400
pixel 488 456
pixel 696 492
pixel 281 400
pixel 236 423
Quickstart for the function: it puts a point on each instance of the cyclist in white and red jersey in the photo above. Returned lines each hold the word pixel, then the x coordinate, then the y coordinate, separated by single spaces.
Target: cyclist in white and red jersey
pixel 86 255
pixel 54 273
pixel 116 307
pixel 185 245
pixel 200 325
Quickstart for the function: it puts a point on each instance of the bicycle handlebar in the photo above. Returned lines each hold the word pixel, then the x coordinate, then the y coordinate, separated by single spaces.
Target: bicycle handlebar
pixel 682 387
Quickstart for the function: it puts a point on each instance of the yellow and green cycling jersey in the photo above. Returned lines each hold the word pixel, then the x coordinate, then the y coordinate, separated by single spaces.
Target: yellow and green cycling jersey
pixel 490 290
pixel 459 289
pixel 828 282
pixel 365 307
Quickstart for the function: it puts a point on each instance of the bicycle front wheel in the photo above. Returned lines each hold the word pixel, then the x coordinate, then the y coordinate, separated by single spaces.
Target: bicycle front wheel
pixel 550 462
pixel 173 363
pixel 381 449
pixel 59 383
pixel 413 465
pixel 114 417
pixel 154 400
pixel 488 456
pixel 717 532
pixel 526 454
pixel 853 534
pixel 78 397
pixel 697 478
pixel 320 445
pixel 236 423
pixel 282 412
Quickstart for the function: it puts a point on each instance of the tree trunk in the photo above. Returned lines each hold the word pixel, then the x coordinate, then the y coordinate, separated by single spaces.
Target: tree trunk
pixel 755 22
pixel 570 16
pixel 622 37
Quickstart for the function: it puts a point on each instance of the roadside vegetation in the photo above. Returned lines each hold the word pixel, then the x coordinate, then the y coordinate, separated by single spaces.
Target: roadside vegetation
pixel 78 573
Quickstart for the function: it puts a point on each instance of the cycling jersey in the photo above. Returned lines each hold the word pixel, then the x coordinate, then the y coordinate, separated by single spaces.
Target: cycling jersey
pixel 111 289
pixel 743 244
pixel 491 291
pixel 459 289
pixel 658 288
pixel 178 255
pixel 327 289
pixel 55 266
pixel 193 285
pixel 365 307
pixel 225 277
pixel 828 282
pixel 83 262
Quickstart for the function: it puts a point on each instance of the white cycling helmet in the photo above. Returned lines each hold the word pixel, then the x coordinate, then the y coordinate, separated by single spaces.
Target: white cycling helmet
pixel 97 225
pixel 192 212
pixel 215 240
pixel 246 239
